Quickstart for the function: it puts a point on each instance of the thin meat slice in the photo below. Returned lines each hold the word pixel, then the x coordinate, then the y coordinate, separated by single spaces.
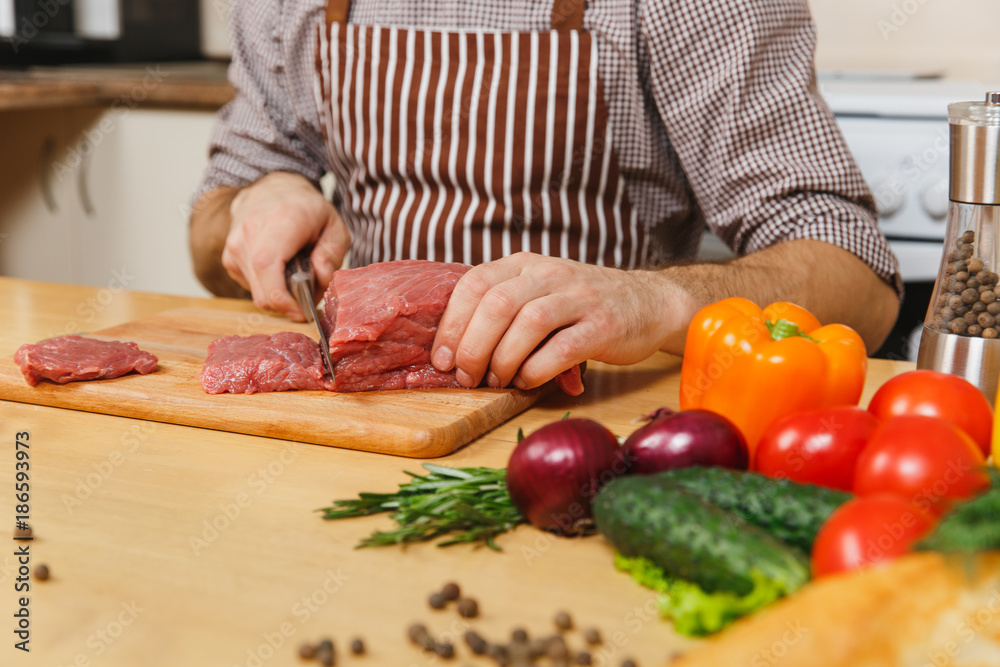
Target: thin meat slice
pixel 76 358
pixel 284 361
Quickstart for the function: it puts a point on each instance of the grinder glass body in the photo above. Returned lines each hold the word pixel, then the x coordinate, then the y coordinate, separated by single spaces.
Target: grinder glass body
pixel 961 332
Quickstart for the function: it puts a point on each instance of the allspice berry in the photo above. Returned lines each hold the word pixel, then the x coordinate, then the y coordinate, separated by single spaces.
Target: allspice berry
pixel 42 572
pixel 468 608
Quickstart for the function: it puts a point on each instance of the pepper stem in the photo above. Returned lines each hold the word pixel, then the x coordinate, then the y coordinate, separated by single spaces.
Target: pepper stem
pixel 784 329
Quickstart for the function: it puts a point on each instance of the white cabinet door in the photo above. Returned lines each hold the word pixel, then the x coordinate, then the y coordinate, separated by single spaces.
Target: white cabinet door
pixel 137 172
pixel 100 197
pixel 38 212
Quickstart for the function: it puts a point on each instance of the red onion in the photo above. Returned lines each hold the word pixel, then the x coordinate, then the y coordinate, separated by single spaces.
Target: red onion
pixel 554 473
pixel 683 439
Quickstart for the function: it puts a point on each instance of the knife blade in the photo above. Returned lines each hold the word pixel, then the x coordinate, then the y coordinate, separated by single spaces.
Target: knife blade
pixel 301 279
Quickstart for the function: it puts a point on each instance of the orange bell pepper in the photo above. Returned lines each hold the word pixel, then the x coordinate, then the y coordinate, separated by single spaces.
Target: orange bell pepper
pixel 754 365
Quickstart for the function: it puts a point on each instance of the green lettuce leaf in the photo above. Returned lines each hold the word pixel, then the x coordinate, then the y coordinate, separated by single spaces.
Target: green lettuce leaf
pixel 694 612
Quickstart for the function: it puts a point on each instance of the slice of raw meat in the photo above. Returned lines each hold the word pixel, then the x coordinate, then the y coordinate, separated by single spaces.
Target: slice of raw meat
pixel 261 363
pixel 74 358
pixel 381 320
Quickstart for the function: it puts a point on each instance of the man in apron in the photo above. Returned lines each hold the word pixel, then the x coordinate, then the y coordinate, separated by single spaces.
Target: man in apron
pixel 573 151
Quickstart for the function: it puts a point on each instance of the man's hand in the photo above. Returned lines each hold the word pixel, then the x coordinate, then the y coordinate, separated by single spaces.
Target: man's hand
pixel 271 220
pixel 526 318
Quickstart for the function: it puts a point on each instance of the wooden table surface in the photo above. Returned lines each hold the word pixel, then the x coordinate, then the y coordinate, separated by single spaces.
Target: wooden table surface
pixel 170 545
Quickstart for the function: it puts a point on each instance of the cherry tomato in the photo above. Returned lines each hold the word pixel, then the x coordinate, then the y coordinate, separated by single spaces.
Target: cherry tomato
pixel 816 446
pixel 936 394
pixel 865 531
pixel 926 460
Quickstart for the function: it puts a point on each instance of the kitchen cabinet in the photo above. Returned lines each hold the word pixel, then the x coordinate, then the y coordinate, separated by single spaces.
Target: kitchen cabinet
pixel 100 195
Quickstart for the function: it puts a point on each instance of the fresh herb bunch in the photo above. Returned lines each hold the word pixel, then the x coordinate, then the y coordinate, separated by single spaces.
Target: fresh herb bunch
pixel 467 504
pixel 971 526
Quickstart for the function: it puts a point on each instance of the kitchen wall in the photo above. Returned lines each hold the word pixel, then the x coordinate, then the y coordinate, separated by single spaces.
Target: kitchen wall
pixel 952 38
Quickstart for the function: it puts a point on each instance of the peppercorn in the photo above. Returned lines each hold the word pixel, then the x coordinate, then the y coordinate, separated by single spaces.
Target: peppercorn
pixel 967 249
pixel 436 601
pixel 955 302
pixel 958 325
pixel 583 658
pixel 976 264
pixel 563 621
pixel 475 642
pixel 468 608
pixel 961 276
pixel 989 332
pixel 986 320
pixel 988 297
pixel 968 236
pixel 973 283
pixel 978 307
pixel 451 591
pixel 416 632
pixel 325 653
pixel 42 572
pixel 961 310
pixel 556 648
pixel 357 646
pixel 993 308
pixel 974 330
pixel 519 635
pixel 970 296
pixel 445 650
pixel 592 636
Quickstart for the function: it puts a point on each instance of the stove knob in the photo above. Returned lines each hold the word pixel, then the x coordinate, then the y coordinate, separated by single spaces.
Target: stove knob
pixel 934 199
pixel 889 193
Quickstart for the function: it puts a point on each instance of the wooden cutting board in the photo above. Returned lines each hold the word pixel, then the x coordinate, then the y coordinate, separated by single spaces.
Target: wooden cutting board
pixel 420 423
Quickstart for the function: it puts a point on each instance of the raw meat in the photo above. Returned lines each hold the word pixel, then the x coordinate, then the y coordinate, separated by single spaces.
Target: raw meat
pixel 381 320
pixel 72 358
pixel 263 363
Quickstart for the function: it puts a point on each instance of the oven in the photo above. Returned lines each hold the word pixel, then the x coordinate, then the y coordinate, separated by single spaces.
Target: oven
pixel 897 130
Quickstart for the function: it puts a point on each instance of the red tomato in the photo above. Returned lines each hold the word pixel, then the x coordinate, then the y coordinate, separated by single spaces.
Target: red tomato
pixel 816 446
pixel 865 531
pixel 926 460
pixel 936 394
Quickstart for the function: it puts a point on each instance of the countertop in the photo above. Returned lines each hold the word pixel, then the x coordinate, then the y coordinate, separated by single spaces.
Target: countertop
pixel 170 545
pixel 190 85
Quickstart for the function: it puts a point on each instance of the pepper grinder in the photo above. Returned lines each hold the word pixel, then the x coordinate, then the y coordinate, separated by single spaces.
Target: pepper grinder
pixel 961 332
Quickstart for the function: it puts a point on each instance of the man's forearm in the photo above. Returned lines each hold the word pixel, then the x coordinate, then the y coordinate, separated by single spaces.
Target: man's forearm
pixel 209 226
pixel 825 279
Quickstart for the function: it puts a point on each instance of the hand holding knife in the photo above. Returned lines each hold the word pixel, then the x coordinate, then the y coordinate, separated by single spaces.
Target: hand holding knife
pixel 300 277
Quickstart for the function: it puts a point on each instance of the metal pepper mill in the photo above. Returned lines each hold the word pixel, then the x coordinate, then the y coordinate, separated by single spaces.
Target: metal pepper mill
pixel 961 333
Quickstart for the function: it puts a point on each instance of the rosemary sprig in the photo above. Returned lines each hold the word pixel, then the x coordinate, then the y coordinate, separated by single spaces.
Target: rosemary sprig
pixel 467 504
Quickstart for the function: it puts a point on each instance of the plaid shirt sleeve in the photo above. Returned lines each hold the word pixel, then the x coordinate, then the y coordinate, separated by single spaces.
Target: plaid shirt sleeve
pixel 271 124
pixel 734 85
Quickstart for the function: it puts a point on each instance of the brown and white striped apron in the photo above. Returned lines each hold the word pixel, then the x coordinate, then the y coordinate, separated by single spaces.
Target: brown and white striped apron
pixel 470 146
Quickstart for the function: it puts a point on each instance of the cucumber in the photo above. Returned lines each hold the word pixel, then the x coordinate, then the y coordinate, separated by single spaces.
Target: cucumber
pixel 689 538
pixel 790 511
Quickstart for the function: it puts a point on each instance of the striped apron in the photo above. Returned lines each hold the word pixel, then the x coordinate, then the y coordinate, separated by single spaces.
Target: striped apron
pixel 470 146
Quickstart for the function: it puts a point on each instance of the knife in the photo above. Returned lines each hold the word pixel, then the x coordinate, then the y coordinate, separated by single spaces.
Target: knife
pixel 301 280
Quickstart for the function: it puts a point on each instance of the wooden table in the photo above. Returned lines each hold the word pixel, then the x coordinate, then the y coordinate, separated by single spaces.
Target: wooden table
pixel 170 545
